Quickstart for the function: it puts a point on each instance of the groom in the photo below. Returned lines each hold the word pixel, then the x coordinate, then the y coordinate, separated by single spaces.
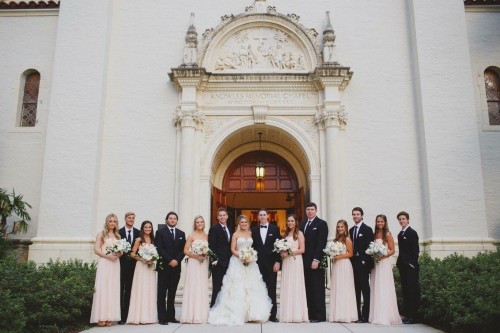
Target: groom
pixel 268 261
pixel 219 241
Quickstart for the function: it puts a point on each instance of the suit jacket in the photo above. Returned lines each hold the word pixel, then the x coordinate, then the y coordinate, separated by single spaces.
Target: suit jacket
pixel 127 263
pixel 220 244
pixel 408 248
pixel 169 248
pixel 316 237
pixel 266 258
pixel 365 237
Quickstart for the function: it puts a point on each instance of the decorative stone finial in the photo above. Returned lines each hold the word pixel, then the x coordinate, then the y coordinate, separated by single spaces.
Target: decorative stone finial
pixel 260 6
pixel 328 43
pixel 191 47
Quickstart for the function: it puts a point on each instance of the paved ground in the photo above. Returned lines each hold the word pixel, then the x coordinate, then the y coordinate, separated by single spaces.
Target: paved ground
pixel 265 328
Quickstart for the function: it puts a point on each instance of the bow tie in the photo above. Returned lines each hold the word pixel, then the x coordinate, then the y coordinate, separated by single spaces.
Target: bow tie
pixel 263 226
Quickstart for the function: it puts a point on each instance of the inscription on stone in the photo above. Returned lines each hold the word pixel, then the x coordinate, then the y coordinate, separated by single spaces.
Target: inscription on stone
pixel 248 98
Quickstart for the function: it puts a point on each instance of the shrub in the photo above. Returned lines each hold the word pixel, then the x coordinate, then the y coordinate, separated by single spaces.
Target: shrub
pixel 54 297
pixel 460 294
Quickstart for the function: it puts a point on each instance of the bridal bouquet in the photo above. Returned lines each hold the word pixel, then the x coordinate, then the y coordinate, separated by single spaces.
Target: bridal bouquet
pixel 247 255
pixel 334 249
pixel 376 250
pixel 200 248
pixel 119 245
pixel 148 252
pixel 282 245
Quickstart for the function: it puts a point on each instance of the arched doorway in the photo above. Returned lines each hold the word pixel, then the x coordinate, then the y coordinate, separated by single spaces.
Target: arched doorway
pixel 243 193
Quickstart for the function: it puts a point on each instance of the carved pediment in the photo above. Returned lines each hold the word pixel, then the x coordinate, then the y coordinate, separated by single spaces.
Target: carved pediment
pixel 259 41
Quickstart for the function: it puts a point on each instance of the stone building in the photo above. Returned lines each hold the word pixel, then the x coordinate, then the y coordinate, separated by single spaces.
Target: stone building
pixel 151 106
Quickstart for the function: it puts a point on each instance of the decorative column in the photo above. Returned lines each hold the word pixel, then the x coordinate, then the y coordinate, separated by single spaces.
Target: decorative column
pixel 189 121
pixel 331 120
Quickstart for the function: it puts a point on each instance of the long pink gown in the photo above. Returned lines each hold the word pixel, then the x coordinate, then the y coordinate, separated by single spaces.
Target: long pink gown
pixel 383 301
pixel 342 294
pixel 293 302
pixel 142 308
pixel 195 296
pixel 106 301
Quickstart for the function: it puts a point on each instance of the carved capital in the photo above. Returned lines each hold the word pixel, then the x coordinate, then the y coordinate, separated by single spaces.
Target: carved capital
pixel 189 118
pixel 187 76
pixel 334 75
pixel 327 118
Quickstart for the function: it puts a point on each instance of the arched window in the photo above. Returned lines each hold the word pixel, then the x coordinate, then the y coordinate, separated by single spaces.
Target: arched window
pixel 30 99
pixel 492 83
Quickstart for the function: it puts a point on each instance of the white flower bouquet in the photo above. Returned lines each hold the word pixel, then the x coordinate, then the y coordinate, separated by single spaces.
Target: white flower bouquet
pixel 148 252
pixel 282 245
pixel 119 245
pixel 333 249
pixel 376 250
pixel 200 248
pixel 247 255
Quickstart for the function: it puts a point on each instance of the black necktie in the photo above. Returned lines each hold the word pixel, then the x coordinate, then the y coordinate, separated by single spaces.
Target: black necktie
pixel 307 225
pixel 225 233
pixel 129 239
pixel 263 226
pixel 172 232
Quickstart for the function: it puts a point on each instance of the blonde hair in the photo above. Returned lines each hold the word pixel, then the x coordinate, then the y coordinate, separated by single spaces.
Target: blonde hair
pixel 106 231
pixel 198 217
pixel 129 213
pixel 241 217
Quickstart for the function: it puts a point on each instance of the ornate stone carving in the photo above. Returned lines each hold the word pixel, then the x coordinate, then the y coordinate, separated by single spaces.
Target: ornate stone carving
pixel 260 113
pixel 308 125
pixel 191 49
pixel 326 118
pixel 213 124
pixel 194 118
pixel 260 48
pixel 329 43
pixel 294 17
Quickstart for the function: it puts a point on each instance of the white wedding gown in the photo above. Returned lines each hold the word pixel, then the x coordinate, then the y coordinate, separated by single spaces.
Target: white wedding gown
pixel 243 297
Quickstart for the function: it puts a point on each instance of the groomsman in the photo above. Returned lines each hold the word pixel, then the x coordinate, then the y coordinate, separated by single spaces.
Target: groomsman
pixel 127 265
pixel 264 236
pixel 316 234
pixel 362 264
pixel 219 241
pixel 408 267
pixel 170 243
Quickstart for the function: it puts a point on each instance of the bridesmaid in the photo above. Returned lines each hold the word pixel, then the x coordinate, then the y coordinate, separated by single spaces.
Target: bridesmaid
pixel 343 297
pixel 195 296
pixel 293 303
pixel 106 302
pixel 143 295
pixel 383 302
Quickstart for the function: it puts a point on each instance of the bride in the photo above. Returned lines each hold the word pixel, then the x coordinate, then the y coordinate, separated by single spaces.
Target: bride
pixel 243 297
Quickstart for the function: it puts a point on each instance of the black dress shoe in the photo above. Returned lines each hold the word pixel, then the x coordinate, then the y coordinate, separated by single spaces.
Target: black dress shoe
pixel 408 321
pixel 274 320
pixel 175 321
pixel 121 322
pixel 316 321
pixel 163 322
pixel 360 321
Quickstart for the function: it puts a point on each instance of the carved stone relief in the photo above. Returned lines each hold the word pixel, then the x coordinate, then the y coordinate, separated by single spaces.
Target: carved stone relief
pixel 260 48
pixel 308 125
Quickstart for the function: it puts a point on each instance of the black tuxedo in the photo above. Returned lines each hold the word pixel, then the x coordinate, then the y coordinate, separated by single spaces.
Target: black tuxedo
pixel 168 277
pixel 127 268
pixel 220 244
pixel 362 264
pixel 408 267
pixel 316 236
pixel 266 259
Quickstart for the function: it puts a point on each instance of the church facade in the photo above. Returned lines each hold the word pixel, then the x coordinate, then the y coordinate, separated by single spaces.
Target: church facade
pixel 187 106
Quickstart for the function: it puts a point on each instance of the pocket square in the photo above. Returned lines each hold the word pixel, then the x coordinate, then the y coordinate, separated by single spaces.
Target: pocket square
pixel 315 228
pixel 180 237
pixel 360 235
pixel 404 237
pixel 269 235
